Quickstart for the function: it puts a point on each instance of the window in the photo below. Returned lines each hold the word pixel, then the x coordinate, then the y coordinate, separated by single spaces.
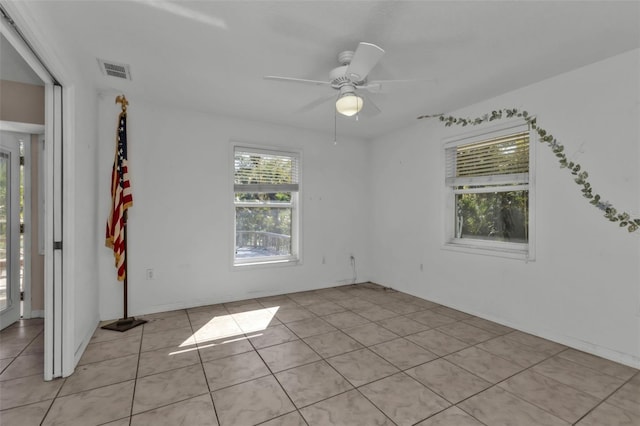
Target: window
pixel 266 190
pixel 488 179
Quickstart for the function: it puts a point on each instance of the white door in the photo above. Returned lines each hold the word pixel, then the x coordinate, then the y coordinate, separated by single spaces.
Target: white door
pixel 9 230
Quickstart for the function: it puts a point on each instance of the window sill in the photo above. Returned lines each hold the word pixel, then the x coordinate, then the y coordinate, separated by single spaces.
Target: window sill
pixel 263 263
pixel 485 249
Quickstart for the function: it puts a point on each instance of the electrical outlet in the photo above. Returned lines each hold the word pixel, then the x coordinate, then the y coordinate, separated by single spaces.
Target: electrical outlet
pixel 149 274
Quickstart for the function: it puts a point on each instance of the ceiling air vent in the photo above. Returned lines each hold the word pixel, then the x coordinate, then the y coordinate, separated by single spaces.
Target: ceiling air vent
pixel 114 69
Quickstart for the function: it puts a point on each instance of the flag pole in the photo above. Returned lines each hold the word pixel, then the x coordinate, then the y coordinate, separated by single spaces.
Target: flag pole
pixel 126 322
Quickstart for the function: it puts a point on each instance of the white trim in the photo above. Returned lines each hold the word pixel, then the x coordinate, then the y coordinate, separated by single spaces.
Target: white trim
pixel 11 313
pixel 28 230
pixel 489 189
pixel 37 314
pixel 266 188
pixel 15 126
pixel 495 248
pixel 68 232
pixel 533 143
pixel 488 180
pixel 41 193
pixel 494 130
pixel 31 129
pixel 274 205
pixel 525 251
pixel 265 262
pixel 296 205
pixel 53 258
pixel 85 341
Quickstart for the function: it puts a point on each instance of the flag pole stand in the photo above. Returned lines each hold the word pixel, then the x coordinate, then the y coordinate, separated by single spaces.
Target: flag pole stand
pixel 126 322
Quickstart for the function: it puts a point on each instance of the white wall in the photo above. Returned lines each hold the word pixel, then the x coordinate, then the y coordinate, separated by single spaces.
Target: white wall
pixel 81 220
pixel 583 287
pixel 181 223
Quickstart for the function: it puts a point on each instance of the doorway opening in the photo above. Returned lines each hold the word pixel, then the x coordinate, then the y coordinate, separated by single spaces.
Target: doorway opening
pixel 22 73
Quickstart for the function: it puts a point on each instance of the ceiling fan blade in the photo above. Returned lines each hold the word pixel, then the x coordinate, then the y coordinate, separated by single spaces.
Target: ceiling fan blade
pixel 316 103
pixel 369 108
pixel 364 59
pixel 297 80
pixel 376 86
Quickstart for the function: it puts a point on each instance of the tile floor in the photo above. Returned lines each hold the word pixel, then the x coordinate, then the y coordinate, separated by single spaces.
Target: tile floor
pixel 353 355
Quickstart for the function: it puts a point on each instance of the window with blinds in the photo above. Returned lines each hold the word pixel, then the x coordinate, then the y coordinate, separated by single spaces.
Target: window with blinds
pixel 504 159
pixel 266 185
pixel 265 171
pixel 488 179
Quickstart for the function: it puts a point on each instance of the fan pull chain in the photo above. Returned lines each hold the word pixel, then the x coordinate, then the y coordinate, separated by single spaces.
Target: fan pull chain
pixel 335 127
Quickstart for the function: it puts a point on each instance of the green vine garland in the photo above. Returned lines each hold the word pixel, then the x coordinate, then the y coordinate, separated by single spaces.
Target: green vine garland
pixel 581 176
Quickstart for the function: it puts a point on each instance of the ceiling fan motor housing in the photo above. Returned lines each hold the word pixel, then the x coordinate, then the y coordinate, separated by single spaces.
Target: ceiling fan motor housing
pixel 344 58
pixel 338 76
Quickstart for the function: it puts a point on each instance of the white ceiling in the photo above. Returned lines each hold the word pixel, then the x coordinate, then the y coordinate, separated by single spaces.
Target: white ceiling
pixel 211 56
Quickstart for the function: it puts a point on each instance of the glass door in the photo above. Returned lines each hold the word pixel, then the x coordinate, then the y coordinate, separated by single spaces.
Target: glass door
pixel 9 231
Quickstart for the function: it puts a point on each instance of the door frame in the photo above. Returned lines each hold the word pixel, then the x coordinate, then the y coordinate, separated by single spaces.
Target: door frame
pixel 12 230
pixel 59 100
pixel 31 130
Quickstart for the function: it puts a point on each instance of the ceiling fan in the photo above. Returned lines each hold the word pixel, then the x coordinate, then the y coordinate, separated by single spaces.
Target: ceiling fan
pixel 350 80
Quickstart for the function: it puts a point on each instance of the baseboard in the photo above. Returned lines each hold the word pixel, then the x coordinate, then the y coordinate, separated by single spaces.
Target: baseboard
pixel 37 314
pixel 572 342
pixel 226 299
pixel 81 347
pixel 569 341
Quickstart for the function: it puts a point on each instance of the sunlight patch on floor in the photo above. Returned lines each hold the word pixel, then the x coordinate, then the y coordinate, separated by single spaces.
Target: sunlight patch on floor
pixel 226 327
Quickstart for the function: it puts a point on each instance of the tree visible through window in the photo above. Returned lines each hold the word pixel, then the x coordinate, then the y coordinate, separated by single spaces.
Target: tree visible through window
pixel 489 184
pixel 266 186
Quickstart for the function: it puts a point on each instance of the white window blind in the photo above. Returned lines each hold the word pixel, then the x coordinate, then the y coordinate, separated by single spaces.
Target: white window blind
pixel 503 160
pixel 265 171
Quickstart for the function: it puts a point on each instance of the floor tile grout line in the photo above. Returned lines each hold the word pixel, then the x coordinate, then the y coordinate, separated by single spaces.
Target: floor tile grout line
pixel 474 374
pixel 59 389
pixel 33 339
pixel 525 400
pixel 162 406
pixel 372 403
pixel 40 373
pixel 135 383
pixel 325 360
pixel 471 345
pixel 204 371
pixel 589 367
pixel 470 414
pixel 533 346
pixel 595 407
pixel 620 387
pixel 605 399
pixel 574 387
pixel 30 403
pixel 53 401
pixel 280 384
pixel 380 303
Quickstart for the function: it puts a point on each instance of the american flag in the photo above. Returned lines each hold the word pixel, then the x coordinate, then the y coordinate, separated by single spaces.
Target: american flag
pixel 121 199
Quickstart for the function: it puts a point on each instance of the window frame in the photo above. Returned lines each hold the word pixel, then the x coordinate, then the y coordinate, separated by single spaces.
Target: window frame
pixel 521 251
pixel 295 205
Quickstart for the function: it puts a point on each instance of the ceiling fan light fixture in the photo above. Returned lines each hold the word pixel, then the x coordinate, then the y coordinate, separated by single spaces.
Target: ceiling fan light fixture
pixel 349 104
